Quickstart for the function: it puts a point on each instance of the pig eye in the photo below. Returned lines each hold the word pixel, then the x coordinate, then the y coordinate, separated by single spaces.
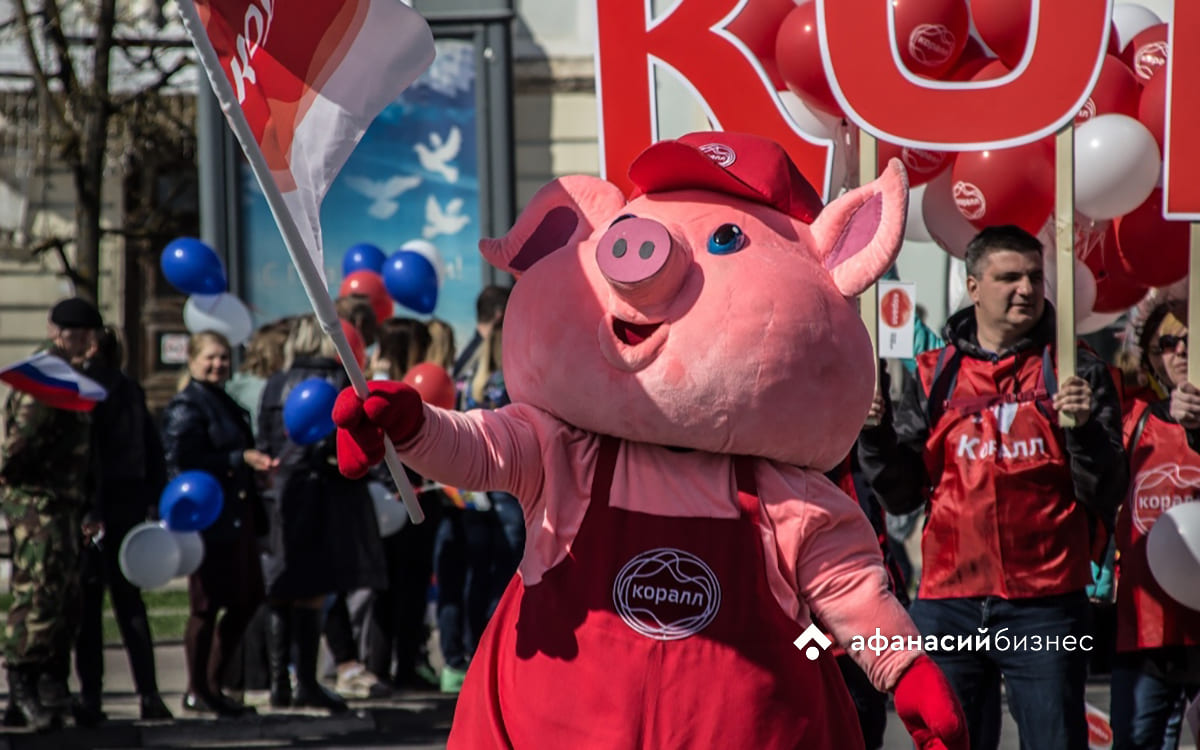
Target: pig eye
pixel 729 238
pixel 621 218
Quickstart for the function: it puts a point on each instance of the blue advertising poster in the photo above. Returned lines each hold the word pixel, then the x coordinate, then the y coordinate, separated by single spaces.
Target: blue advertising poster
pixel 414 175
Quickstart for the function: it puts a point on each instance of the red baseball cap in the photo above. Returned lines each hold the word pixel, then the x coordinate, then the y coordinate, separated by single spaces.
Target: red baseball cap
pixel 741 164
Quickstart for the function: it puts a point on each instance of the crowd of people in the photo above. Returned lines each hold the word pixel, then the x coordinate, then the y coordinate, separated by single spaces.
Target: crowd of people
pixel 1026 480
pixel 296 554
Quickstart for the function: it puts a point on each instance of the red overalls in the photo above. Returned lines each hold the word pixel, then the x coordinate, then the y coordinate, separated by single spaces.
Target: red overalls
pixel 654 632
pixel 1003 520
pixel 1163 471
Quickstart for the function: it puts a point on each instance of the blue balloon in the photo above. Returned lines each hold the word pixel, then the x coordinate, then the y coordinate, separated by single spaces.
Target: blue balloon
pixel 411 280
pixel 191 501
pixel 193 267
pixel 308 411
pixel 363 257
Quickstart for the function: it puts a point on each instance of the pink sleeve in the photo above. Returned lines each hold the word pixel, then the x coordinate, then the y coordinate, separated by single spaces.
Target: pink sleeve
pixel 481 449
pixel 840 573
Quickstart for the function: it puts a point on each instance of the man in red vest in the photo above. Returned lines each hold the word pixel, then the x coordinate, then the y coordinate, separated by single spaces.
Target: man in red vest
pixel 1014 501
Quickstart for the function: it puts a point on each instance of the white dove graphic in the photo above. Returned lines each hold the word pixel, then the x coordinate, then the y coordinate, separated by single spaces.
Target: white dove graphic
pixel 449 221
pixel 382 192
pixel 437 156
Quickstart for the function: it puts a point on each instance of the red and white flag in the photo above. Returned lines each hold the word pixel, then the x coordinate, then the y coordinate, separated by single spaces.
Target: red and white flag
pixel 307 79
pixel 299 83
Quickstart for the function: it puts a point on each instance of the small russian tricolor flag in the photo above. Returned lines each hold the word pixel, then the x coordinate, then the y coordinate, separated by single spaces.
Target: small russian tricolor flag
pixel 52 381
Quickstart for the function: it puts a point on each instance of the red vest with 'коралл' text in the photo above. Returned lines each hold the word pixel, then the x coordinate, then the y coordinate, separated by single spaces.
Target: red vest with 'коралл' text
pixel 1003 520
pixel 1164 472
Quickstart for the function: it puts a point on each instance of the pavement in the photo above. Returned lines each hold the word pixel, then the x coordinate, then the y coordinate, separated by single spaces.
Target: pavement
pixel 414 720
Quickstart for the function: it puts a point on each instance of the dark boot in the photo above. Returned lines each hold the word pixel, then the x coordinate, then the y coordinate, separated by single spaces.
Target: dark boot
pixel 306 629
pixel 24 706
pixel 279 647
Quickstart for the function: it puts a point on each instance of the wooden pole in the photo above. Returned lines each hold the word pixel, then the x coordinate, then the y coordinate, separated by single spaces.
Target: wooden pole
pixel 868 301
pixel 1064 223
pixel 1193 308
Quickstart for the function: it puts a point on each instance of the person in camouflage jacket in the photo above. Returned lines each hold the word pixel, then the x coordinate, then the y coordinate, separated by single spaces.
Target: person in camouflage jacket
pixel 44 475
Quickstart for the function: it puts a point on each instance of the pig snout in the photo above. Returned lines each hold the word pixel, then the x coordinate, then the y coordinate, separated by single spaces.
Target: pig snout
pixel 640 260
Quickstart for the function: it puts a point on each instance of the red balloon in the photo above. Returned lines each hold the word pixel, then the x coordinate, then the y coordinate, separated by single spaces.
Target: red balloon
pixel 756 25
pixel 1146 53
pixel 930 34
pixel 369 284
pixel 798 57
pixel 1150 249
pixel 922 164
pixel 1116 92
pixel 973 59
pixel 1004 27
pixel 1152 108
pixel 1006 186
pixel 433 383
pixel 1115 292
pixel 355 340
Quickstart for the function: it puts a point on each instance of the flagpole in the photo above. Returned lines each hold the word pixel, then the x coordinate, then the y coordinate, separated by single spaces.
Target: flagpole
pixel 310 275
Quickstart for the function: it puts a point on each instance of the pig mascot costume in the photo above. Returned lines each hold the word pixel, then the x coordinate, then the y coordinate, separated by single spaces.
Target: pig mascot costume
pixel 683 367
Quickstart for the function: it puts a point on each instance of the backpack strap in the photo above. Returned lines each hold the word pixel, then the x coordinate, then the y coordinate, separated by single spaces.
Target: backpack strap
pixel 1049 374
pixel 1136 435
pixel 941 385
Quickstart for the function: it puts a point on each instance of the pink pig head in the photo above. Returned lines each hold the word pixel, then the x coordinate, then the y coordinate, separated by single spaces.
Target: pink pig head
pixel 713 311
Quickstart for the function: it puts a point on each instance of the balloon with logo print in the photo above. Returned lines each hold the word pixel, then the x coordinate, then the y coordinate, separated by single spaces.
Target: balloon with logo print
pixel 945 225
pixel 1006 186
pixel 1146 54
pixel 921 164
pixel 930 34
pixel 1116 92
pixel 1173 552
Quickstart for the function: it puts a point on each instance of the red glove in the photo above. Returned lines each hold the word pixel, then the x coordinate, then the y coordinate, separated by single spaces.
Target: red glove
pixel 391 408
pixel 926 704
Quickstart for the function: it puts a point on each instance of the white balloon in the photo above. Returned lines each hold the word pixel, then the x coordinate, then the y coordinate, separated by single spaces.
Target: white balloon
pixel 149 555
pixel 914 226
pixel 431 254
pixel 812 122
pixel 1085 286
pixel 1173 552
pixel 389 511
pixel 223 313
pixel 191 552
pixel 956 285
pixel 1097 321
pixel 944 223
pixel 1117 163
pixel 1131 18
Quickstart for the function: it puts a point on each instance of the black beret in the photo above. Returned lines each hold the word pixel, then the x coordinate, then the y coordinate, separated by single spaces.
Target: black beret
pixel 76 312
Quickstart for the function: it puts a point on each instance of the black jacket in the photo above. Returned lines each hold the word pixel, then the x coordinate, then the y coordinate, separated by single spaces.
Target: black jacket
pixel 324 533
pixel 891 454
pixel 204 429
pixel 127 450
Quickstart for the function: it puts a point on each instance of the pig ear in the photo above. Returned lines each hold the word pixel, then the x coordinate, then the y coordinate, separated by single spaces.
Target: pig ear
pixel 561 213
pixel 859 234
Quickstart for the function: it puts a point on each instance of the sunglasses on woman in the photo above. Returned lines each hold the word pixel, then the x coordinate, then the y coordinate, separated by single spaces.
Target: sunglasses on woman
pixel 1168 342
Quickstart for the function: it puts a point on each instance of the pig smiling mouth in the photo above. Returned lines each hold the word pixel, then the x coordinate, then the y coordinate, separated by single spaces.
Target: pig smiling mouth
pixel 632 334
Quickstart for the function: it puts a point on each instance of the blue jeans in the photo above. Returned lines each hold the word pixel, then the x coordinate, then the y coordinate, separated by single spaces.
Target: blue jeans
pixel 1045 687
pixel 1146 712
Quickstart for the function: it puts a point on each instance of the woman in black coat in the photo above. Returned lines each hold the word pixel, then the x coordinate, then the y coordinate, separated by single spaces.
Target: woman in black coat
pixel 205 430
pixel 324 533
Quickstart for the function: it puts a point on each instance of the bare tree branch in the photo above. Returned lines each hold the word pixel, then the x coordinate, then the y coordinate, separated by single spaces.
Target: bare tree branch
pixel 62 55
pixel 35 64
